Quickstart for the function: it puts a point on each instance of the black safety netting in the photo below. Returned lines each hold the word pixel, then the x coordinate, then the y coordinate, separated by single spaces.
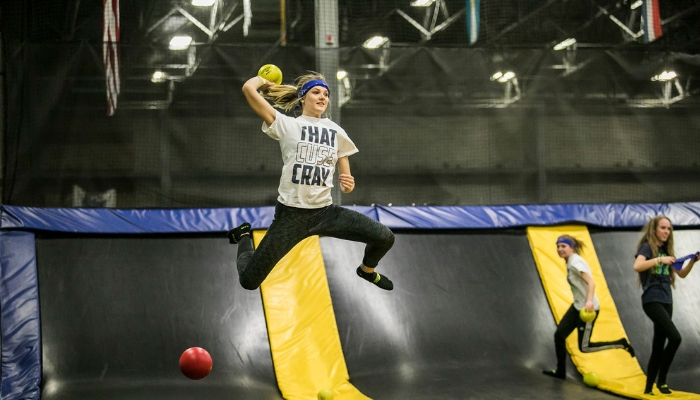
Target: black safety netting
pixel 433 126
pixel 506 120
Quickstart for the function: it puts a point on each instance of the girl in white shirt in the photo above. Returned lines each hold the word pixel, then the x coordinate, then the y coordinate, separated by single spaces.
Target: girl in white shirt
pixel 579 276
pixel 311 148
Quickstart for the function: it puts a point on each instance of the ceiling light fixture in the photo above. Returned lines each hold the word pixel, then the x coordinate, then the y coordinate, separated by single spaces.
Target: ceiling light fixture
pixel 180 42
pixel 158 76
pixel 503 77
pixel 375 42
pixel 422 3
pixel 665 76
pixel 507 76
pixel 636 4
pixel 565 44
pixel 203 3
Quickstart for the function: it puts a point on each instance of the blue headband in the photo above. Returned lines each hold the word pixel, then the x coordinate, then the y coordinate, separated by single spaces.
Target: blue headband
pixel 567 241
pixel 310 84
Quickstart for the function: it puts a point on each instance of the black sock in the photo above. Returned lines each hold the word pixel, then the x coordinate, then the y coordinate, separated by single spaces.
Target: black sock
pixel 663 388
pixel 555 373
pixel 373 277
pixel 235 234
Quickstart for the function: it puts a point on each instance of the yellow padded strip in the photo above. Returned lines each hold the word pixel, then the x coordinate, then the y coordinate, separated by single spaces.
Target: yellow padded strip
pixel 301 325
pixel 618 372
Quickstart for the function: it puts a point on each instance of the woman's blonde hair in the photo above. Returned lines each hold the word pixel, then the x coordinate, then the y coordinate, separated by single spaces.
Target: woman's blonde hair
pixel 578 245
pixel 649 236
pixel 286 97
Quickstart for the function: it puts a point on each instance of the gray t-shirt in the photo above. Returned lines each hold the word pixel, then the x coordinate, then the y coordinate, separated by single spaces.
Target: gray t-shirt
pixel 575 265
pixel 310 149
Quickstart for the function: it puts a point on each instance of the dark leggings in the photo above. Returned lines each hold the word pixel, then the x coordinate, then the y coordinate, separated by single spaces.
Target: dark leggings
pixel 568 323
pixel 661 358
pixel 292 225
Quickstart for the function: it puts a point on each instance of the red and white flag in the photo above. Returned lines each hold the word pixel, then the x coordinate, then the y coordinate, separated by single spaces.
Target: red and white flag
pixel 110 55
pixel 651 20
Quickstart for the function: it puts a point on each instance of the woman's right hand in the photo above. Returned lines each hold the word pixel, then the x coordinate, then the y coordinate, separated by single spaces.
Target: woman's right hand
pixel 265 84
pixel 251 90
pixel 667 260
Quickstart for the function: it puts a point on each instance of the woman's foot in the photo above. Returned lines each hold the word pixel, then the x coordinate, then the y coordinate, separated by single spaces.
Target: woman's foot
pixel 235 234
pixel 373 277
pixel 555 373
pixel 663 388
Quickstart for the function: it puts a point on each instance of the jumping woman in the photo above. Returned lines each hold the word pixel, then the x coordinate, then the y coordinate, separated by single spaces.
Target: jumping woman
pixel 312 147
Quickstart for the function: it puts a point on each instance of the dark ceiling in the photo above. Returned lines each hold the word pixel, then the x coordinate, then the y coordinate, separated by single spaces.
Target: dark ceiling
pixel 611 61
pixel 504 23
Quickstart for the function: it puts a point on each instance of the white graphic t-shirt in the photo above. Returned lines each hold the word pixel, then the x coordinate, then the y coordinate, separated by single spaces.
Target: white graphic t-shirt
pixel 310 149
pixel 579 287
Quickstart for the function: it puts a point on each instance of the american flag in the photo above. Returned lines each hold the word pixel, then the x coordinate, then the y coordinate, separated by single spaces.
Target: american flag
pixel 110 56
pixel 652 20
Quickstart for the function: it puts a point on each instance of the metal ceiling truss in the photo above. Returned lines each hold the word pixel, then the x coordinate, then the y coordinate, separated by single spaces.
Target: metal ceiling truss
pixel 71 19
pixel 215 24
pixel 221 19
pixel 635 19
pixel 429 27
pixel 521 21
pixel 667 98
pixel 632 29
pixel 620 24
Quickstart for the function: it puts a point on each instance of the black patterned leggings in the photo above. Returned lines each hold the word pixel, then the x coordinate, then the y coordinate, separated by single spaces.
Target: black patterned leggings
pixel 660 360
pixel 568 324
pixel 292 225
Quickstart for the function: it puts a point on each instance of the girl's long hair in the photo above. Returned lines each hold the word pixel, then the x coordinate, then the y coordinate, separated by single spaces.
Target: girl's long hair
pixel 286 97
pixel 649 236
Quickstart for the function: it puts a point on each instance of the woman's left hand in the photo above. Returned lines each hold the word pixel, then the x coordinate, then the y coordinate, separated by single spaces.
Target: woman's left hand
pixel 589 306
pixel 347 183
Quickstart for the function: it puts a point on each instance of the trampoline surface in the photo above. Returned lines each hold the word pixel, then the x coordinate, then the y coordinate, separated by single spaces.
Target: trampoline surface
pixel 468 319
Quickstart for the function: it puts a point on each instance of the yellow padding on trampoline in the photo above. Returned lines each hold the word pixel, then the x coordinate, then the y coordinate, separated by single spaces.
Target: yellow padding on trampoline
pixel 619 373
pixel 301 325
